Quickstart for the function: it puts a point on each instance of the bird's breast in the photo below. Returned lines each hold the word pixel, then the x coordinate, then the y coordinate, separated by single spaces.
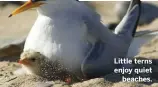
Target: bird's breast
pixel 56 39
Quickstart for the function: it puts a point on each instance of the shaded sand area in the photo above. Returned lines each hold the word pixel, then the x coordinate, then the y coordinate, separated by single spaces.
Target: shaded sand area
pixel 14 30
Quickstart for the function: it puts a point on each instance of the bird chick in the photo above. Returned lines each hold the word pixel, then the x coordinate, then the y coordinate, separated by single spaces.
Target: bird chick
pixel 37 64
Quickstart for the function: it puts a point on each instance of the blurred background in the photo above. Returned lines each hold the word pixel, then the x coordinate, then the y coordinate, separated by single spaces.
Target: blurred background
pixel 17 26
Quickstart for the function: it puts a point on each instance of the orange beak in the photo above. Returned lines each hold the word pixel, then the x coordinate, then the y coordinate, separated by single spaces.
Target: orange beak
pixel 24 62
pixel 29 4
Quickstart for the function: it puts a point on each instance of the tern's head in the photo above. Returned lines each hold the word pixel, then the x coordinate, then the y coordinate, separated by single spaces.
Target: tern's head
pixel 30 4
pixel 32 61
pixel 35 3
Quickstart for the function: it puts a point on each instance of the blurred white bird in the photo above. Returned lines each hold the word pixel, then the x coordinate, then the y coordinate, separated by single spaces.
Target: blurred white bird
pixel 149 12
pixel 70 32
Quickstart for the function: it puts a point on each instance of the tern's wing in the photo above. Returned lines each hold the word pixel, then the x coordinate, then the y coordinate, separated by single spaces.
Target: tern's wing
pixel 129 23
pixel 105 47
pixel 140 38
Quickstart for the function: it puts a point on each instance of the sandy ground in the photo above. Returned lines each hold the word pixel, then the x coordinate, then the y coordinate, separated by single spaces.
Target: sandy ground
pixel 19 26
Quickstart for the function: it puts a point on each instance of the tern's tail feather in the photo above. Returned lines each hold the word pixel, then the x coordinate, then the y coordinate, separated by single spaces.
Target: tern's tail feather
pixel 140 38
pixel 129 23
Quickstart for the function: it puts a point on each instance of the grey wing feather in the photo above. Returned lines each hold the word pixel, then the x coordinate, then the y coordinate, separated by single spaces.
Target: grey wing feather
pixel 127 25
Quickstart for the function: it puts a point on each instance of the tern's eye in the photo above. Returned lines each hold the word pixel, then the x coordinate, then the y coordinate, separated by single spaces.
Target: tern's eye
pixel 33 59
